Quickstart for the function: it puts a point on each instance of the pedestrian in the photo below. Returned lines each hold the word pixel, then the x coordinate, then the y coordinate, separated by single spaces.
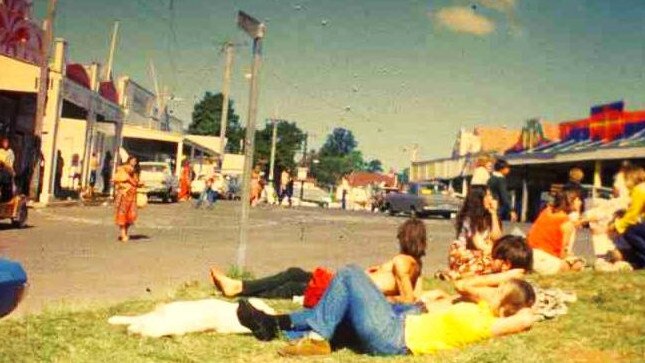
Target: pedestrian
pixel 285 177
pixel 126 182
pixel 256 187
pixel 184 181
pixel 106 171
pixel 94 167
pixel 7 156
pixel 576 175
pixel 208 194
pixel 481 174
pixel 499 189
pixel 60 165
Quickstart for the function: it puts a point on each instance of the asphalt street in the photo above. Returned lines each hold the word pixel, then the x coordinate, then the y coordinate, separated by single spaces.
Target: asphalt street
pixel 72 256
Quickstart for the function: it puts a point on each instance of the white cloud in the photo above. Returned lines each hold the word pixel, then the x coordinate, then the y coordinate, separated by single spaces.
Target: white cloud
pixel 465 20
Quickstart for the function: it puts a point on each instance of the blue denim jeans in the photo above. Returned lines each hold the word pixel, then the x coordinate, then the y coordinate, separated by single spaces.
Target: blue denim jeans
pixel 207 195
pixel 353 297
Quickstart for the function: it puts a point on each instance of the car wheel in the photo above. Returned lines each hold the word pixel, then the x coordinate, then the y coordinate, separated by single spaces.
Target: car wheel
pixel 388 209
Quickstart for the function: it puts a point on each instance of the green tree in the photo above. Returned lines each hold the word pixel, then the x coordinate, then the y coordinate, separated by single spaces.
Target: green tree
pixel 340 142
pixel 337 157
pixel 289 142
pixel 206 120
pixel 374 166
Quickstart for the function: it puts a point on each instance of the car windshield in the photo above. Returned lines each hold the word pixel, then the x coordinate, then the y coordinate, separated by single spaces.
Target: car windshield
pixel 154 168
pixel 430 189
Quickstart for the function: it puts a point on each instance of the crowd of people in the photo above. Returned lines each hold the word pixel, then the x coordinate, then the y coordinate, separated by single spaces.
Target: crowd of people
pixel 384 310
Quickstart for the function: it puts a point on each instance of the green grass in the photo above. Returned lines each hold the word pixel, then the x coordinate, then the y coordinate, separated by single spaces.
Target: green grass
pixel 607 324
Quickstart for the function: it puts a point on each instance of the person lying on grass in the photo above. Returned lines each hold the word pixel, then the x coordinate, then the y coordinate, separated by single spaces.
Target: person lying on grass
pixel 493 306
pixel 398 278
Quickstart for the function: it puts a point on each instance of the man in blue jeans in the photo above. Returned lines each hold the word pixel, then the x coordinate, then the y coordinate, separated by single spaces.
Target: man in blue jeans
pixel 208 195
pixel 377 323
pixel 13 280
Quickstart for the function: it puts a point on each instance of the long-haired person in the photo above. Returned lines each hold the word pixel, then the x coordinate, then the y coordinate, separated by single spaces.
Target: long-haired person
pixel 477 227
pixel 126 182
pixel 551 234
pixel 629 230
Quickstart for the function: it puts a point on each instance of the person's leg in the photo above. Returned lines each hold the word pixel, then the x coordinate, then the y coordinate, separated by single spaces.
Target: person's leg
pixel 296 279
pixel 631 245
pixel 353 296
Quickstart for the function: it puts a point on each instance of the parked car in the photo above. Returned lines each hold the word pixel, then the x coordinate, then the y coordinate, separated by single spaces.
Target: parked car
pixel 378 198
pixel 159 181
pixel 424 199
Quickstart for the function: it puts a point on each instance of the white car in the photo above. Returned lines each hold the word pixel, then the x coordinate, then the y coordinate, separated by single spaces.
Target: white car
pixel 159 181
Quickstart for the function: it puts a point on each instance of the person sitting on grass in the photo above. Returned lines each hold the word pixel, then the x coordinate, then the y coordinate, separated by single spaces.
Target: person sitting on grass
pixel 551 233
pixel 509 253
pixel 628 232
pixel 493 306
pixel 478 227
pixel 397 278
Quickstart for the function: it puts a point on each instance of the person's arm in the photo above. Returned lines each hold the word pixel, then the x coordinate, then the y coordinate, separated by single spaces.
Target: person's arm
pixel 477 288
pixel 403 269
pixel 482 243
pixel 568 228
pixel 633 213
pixel 517 323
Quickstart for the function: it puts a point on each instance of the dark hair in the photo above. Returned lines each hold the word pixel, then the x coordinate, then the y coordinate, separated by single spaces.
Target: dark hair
pixel 412 238
pixel 474 211
pixel 522 296
pixel 500 164
pixel 563 200
pixel 514 250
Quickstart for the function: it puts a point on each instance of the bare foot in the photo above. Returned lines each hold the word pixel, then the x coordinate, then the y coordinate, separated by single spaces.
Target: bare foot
pixel 228 286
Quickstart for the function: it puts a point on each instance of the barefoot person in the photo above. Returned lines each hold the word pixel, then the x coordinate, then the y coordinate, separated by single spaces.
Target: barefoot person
pixel 126 182
pixel 395 278
pixel 497 305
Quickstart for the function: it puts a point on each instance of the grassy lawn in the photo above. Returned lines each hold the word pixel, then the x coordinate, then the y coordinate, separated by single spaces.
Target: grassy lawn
pixel 607 324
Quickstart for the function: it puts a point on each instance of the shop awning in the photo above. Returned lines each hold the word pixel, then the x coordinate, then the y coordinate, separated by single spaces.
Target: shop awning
pixel 210 144
pixel 136 132
pixel 18 76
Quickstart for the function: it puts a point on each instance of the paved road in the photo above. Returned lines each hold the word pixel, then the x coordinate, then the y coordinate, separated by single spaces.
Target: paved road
pixel 72 256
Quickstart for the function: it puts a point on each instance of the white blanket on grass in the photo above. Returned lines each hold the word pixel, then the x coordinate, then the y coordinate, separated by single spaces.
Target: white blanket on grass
pixel 182 317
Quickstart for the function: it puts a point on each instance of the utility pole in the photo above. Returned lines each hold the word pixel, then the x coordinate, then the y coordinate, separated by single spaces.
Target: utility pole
pixel 228 49
pixel 255 30
pixel 304 164
pixel 110 61
pixel 48 35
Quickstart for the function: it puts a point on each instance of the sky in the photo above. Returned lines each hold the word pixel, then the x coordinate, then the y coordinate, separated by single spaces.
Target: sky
pixel 396 73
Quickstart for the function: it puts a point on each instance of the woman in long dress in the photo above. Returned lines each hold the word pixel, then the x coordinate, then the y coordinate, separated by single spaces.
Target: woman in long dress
pixel 184 181
pixel 126 182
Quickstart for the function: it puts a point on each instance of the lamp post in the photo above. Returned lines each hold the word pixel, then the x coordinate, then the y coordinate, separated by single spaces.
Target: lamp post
pixel 256 30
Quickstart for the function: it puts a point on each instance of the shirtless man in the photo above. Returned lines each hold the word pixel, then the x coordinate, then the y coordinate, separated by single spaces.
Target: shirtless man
pixel 397 278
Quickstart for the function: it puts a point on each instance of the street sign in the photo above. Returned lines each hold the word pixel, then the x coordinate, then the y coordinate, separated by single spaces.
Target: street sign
pixel 302 174
pixel 250 25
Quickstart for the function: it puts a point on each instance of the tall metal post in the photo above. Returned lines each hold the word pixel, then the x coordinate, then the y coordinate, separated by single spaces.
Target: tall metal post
pixel 108 71
pixel 274 137
pixel 228 49
pixel 256 30
pixel 48 36
pixel 304 164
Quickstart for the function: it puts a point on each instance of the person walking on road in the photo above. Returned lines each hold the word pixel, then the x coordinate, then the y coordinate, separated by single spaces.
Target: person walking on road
pixel 126 182
pixel 106 172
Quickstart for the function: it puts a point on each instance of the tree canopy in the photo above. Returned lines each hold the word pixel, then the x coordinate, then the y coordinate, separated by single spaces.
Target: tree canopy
pixel 206 120
pixel 339 156
pixel 289 140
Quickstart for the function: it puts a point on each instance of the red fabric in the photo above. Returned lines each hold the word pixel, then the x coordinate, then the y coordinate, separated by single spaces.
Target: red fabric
pixel 78 74
pixel 546 233
pixel 109 92
pixel 317 286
